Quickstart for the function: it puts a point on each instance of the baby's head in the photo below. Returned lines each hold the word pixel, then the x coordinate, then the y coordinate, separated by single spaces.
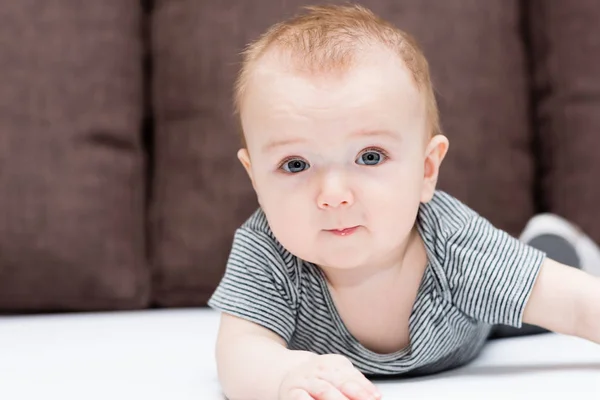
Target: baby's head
pixel 341 134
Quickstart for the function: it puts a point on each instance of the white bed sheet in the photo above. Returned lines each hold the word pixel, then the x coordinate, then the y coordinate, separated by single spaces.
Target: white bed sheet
pixel 168 354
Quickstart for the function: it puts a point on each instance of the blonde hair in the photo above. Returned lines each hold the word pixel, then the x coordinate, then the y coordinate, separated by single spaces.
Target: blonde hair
pixel 327 38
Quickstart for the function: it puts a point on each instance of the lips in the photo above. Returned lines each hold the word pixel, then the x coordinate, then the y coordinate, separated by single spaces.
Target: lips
pixel 344 231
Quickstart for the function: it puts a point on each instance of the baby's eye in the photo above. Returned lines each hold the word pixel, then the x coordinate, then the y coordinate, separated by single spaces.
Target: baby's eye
pixel 371 157
pixel 294 166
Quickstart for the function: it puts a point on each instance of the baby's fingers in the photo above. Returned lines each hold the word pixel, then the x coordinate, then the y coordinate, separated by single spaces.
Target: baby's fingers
pixel 353 384
pixel 323 390
pixel 354 391
pixel 300 394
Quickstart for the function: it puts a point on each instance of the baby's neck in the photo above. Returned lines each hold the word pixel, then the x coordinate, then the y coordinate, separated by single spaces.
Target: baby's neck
pixel 375 303
pixel 388 269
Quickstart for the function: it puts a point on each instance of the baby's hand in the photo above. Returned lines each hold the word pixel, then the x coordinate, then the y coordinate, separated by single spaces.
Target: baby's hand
pixel 327 377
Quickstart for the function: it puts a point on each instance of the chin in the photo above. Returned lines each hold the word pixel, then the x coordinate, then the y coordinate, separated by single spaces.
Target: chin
pixel 342 261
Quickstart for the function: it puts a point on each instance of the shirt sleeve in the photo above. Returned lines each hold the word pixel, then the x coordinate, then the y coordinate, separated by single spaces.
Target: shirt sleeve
pixel 490 273
pixel 255 285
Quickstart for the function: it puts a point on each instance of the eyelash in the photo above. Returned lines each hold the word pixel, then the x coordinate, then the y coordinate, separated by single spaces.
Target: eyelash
pixel 287 160
pixel 366 150
pixel 376 149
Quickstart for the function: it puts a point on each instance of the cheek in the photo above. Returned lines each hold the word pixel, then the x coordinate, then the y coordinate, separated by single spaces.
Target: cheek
pixel 286 204
pixel 278 191
pixel 392 200
pixel 289 221
pixel 394 184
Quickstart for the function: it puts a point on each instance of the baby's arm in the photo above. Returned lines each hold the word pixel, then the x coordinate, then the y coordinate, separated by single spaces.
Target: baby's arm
pixel 252 360
pixel 565 300
pixel 254 364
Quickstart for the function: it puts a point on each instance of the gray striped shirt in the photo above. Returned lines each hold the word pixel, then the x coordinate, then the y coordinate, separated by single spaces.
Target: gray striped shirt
pixel 477 276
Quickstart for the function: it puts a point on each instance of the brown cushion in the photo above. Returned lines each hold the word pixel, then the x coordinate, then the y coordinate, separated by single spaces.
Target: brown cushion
pixel 201 193
pixel 71 162
pixel 566 65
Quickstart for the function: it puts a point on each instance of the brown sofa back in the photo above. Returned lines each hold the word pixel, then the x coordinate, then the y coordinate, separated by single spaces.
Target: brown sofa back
pixel 72 166
pixel 565 54
pixel 517 82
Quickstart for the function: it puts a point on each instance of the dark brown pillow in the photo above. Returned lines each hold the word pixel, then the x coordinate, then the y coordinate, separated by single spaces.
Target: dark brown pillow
pixel 566 65
pixel 201 193
pixel 71 160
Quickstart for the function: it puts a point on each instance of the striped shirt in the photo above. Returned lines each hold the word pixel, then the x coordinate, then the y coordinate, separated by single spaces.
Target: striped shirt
pixel 477 276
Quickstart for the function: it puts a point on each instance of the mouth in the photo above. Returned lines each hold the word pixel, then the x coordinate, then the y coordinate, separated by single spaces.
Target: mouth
pixel 343 231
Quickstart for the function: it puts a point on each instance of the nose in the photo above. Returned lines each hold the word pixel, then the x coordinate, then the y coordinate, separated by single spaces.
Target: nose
pixel 334 192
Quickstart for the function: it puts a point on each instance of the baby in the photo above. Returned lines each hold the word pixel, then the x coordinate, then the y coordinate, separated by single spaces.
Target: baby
pixel 355 265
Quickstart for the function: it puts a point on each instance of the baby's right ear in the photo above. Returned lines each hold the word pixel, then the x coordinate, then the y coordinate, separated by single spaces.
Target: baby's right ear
pixel 244 158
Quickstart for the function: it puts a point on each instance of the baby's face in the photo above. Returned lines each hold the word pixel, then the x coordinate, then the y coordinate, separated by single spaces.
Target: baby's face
pixel 338 164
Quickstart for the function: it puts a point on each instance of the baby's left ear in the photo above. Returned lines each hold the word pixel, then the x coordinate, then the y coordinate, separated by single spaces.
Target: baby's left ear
pixel 434 155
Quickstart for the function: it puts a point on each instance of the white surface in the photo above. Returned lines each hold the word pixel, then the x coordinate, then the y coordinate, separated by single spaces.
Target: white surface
pixel 168 354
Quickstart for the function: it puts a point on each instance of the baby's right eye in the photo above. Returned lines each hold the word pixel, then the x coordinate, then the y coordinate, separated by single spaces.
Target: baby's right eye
pixel 293 166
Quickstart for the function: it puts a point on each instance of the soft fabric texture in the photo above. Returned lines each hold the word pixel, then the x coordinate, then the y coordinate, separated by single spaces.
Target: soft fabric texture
pixel 169 354
pixel 476 276
pixel 71 160
pixel 201 193
pixel 565 53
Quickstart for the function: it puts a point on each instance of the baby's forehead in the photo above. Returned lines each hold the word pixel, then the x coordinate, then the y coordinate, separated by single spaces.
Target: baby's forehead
pixel 278 74
pixel 326 65
pixel 378 88
pixel 368 90
pixel 321 105
pixel 276 68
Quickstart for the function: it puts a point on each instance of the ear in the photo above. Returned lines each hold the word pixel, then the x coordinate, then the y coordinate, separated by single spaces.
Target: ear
pixel 244 158
pixel 434 155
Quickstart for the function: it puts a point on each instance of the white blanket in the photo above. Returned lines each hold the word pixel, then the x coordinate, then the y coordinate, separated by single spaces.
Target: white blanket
pixel 169 355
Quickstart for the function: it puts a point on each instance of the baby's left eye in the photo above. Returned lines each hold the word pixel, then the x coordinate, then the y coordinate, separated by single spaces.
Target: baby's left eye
pixel 370 157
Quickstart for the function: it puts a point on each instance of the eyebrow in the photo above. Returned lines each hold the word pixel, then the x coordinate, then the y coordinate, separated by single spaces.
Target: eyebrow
pixel 377 132
pixel 270 146
pixel 280 143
